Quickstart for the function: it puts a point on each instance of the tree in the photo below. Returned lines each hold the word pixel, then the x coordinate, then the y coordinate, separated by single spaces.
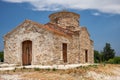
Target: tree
pixel 108 52
pixel 96 56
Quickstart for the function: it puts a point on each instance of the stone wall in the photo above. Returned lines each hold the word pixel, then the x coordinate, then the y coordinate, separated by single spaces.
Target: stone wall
pixel 57 51
pixel 47 46
pixel 41 44
pixel 85 44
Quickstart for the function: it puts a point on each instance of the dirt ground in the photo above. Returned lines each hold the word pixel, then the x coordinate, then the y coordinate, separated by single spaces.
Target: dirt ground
pixel 91 72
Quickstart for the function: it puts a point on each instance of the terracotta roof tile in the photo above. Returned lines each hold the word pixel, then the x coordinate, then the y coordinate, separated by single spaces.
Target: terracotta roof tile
pixel 54 28
pixel 57 29
pixel 49 26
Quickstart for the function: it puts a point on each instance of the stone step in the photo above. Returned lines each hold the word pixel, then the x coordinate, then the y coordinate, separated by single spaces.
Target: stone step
pixel 5 65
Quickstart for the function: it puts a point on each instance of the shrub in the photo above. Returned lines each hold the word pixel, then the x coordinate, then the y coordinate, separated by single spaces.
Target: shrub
pixel 115 60
pixel 54 69
pixel 37 69
pixel 48 69
pixel 111 61
pixel 24 67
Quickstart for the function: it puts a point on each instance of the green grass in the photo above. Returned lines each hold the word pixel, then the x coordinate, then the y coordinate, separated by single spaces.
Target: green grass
pixel 54 69
pixel 37 69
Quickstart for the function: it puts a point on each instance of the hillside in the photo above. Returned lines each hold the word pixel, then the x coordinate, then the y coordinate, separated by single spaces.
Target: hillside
pixel 91 72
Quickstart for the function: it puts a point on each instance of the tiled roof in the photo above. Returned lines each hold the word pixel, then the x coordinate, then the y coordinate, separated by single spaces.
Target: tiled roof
pixel 49 26
pixel 55 28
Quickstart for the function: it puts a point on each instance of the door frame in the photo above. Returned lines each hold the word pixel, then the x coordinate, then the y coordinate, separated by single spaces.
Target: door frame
pixel 86 56
pixel 29 54
pixel 64 52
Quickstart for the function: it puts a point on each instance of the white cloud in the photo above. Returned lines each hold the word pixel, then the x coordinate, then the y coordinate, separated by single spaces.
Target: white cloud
pixel 106 6
pixel 96 14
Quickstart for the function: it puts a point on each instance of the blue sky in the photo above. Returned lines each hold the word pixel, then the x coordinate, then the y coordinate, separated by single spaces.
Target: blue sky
pixel 102 19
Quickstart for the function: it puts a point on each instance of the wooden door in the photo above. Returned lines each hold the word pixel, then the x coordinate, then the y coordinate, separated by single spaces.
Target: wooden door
pixel 27 52
pixel 64 52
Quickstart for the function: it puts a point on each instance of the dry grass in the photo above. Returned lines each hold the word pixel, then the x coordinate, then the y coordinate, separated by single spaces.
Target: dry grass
pixel 47 76
pixel 92 72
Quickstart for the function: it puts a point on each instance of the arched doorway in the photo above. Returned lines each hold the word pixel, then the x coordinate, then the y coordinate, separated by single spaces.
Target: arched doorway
pixel 26 52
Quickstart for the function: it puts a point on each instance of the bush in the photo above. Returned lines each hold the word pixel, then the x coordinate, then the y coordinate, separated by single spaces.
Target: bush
pixel 37 69
pixel 96 56
pixel 111 61
pixel 48 69
pixel 54 69
pixel 115 60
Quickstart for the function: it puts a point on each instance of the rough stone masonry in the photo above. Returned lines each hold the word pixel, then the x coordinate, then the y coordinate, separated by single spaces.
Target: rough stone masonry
pixel 60 41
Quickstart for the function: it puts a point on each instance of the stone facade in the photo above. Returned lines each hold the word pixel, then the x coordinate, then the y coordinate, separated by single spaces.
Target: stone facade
pixel 48 39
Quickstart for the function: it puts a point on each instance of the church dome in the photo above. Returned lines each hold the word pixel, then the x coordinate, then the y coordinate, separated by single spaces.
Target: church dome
pixel 65 19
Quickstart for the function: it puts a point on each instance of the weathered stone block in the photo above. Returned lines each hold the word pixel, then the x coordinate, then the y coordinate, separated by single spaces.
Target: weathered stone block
pixel 47 42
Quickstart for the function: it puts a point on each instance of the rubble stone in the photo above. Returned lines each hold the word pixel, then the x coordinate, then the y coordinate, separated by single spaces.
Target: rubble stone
pixel 47 40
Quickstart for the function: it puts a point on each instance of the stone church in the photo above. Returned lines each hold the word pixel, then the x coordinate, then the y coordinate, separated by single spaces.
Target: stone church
pixel 60 41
